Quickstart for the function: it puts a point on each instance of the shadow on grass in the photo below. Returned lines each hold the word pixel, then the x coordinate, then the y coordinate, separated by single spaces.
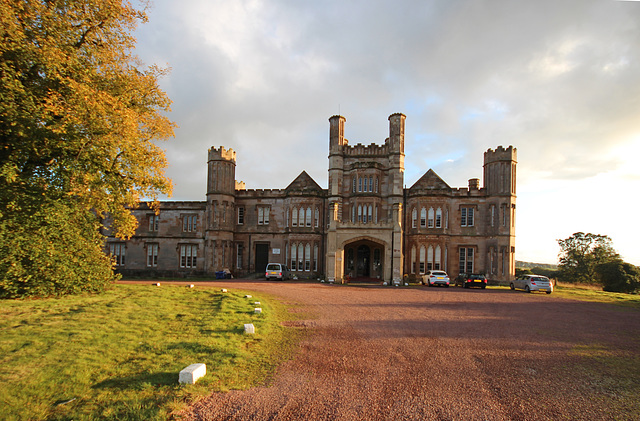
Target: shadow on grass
pixel 135 382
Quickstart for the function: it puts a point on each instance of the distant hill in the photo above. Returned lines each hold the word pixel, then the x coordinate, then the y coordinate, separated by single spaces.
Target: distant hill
pixel 530 265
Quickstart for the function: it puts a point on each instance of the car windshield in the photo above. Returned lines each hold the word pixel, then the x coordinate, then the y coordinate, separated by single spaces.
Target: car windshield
pixel 438 273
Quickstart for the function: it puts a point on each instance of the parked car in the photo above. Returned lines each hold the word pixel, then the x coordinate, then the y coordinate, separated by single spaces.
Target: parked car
pixel 436 277
pixel 471 280
pixel 532 283
pixel 277 271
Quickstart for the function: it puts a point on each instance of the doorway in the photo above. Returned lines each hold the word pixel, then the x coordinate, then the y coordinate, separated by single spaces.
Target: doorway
pixel 262 257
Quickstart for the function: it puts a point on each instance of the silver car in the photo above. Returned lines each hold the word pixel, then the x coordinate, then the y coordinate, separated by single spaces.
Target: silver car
pixel 277 271
pixel 533 283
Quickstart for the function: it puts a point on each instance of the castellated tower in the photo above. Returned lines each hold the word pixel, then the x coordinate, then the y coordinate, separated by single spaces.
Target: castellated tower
pixel 500 171
pixel 221 186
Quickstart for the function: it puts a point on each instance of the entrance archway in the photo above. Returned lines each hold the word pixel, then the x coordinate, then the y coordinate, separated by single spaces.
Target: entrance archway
pixel 363 260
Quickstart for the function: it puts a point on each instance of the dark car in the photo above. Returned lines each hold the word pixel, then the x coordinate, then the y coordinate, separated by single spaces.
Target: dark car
pixel 471 280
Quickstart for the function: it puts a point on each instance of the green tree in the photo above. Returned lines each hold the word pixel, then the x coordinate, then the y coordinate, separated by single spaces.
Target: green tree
pixel 619 276
pixel 581 253
pixel 79 120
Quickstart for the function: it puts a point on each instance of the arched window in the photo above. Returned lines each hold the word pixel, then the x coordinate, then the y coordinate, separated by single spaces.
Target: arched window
pixel 370 218
pixel 353 185
pixel 316 221
pixel 294 217
pixel 308 218
pixel 359 213
pixel 376 184
pixel 307 257
pixel 431 218
pixel 359 184
pixel 438 258
pixel 423 217
pixel 413 259
pixel 414 217
pixel 438 218
pixel 286 222
pixel 370 183
pixel 315 258
pixel 430 258
pixel 365 184
pixel 422 258
pixel 294 261
pixel 300 256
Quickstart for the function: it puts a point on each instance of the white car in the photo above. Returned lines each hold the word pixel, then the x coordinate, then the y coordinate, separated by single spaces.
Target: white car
pixel 533 283
pixel 435 277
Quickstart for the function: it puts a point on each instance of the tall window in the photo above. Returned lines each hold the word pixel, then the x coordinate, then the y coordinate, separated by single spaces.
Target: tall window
pixel 431 220
pixel 466 260
pixel 370 183
pixel 241 215
pixel 376 185
pixel 152 255
pixel 422 258
pixel 359 184
pixel 239 250
pixel 366 184
pixel 423 217
pixel 438 258
pixel 294 261
pixel 413 260
pixel 370 217
pixel 294 217
pixel 315 258
pixel 316 220
pixel 353 184
pixel 263 215
pixel 300 256
pixel 493 215
pixel 153 222
pixel 189 223
pixel 307 257
pixel 188 255
pixel 359 213
pixel 430 258
pixel 466 217
pixel 308 217
pixel 438 218
pixel 414 218
pixel 117 253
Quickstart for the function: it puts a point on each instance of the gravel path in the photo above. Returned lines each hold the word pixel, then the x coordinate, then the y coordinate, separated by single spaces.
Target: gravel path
pixel 383 353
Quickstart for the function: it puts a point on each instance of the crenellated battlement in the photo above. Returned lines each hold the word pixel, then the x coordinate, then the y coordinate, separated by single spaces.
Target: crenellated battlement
pixel 366 150
pixel 501 154
pixel 222 154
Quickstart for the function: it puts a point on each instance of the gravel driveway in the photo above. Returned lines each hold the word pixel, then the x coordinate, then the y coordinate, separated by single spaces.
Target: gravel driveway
pixel 418 353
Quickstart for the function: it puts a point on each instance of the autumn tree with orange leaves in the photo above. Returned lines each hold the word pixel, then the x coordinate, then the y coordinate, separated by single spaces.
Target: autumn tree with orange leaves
pixel 80 118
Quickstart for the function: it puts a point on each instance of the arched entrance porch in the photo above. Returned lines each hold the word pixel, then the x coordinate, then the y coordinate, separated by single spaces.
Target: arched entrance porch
pixel 364 259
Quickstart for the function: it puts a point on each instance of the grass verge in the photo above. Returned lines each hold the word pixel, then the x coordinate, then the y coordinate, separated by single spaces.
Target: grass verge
pixel 595 295
pixel 117 355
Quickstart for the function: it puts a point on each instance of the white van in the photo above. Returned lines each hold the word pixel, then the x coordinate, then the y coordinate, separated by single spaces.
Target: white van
pixel 277 271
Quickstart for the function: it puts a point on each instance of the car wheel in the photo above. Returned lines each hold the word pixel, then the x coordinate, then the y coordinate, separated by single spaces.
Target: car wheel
pixel 527 289
pixel 548 292
pixel 512 286
pixel 465 285
pixel 447 285
pixel 483 286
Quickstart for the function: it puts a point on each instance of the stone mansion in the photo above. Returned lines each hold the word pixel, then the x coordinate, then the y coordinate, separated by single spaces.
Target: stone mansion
pixel 365 225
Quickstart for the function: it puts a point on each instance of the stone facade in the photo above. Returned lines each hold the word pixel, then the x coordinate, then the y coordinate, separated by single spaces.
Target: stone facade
pixel 366 225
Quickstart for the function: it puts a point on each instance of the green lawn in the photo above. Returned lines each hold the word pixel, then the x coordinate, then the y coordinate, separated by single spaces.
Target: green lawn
pixel 117 355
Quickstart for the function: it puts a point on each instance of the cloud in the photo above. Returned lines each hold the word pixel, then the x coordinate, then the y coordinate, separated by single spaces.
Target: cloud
pixel 558 80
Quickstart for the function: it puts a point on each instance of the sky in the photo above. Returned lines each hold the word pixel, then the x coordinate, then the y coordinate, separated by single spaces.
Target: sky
pixel 559 80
